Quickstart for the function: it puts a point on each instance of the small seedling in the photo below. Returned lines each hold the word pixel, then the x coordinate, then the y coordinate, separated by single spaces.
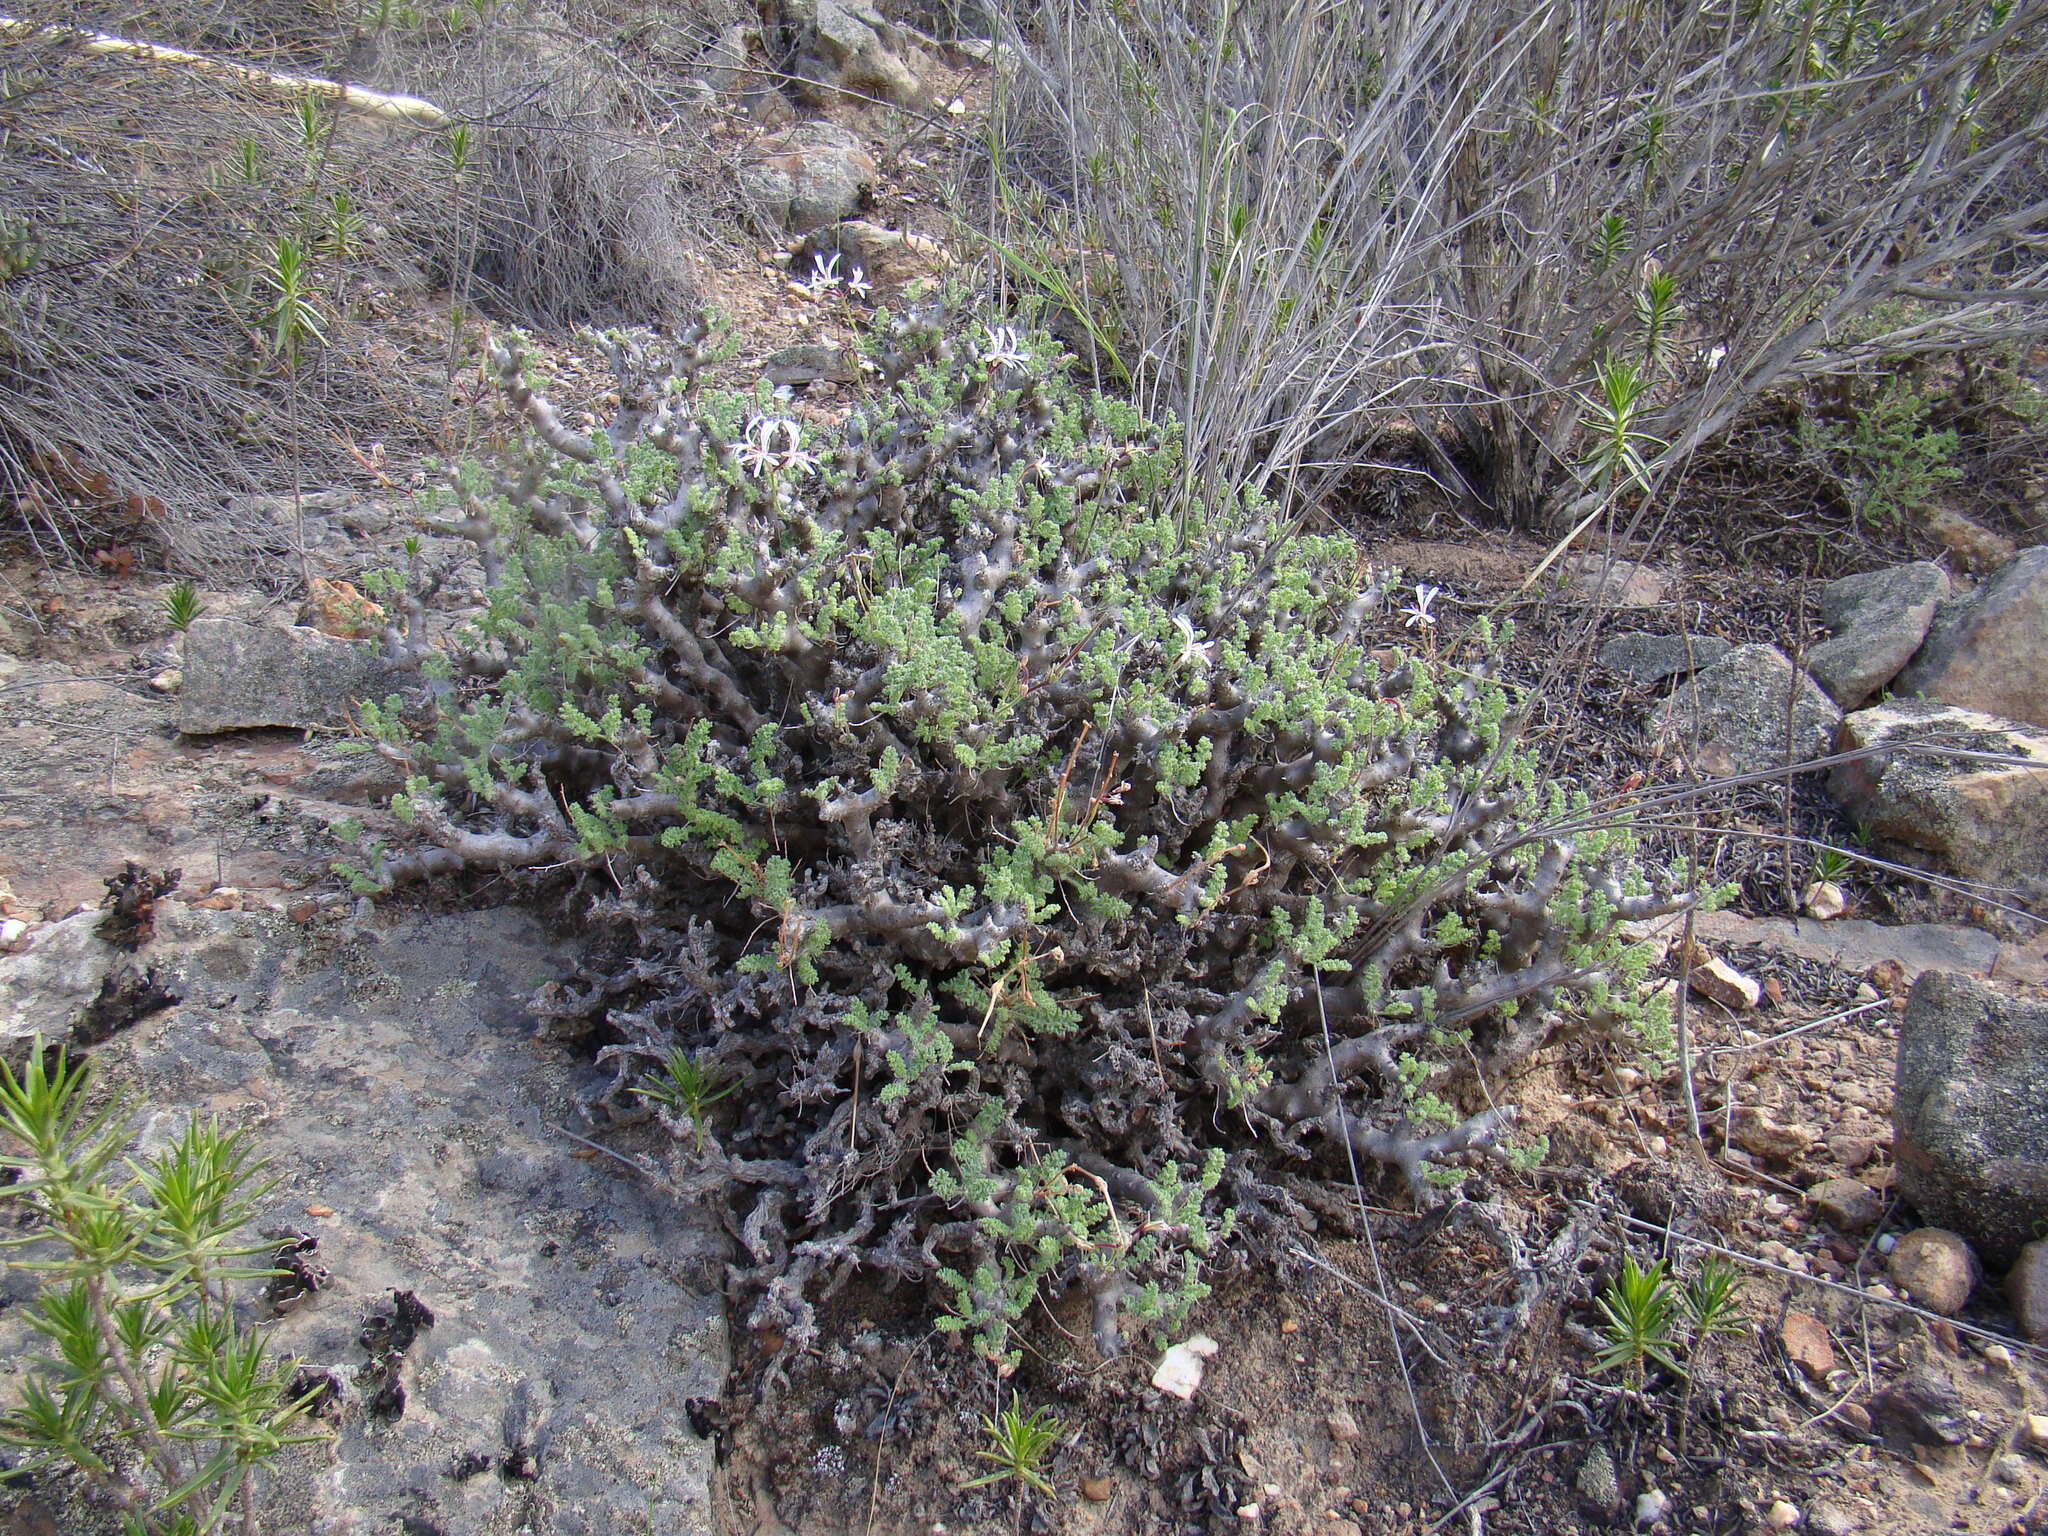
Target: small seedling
pixel 1018 1445
pixel 1639 1320
pixel 1708 1300
pixel 1830 864
pixel 687 1086
pixel 181 605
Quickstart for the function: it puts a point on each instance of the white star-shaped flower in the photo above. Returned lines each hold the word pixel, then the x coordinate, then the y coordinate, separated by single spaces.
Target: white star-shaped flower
pixel 1419 613
pixel 1005 346
pixel 773 445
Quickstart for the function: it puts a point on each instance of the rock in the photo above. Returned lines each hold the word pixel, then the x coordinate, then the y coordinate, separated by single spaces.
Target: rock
pixel 1618 583
pixel 1749 712
pixel 239 676
pixel 1808 1345
pixel 1824 901
pixel 895 266
pixel 1856 944
pixel 1719 982
pixel 807 175
pixel 1878 619
pixel 1652 658
pixel 1097 1489
pixel 1180 1368
pixel 728 66
pixel 1652 1505
pixel 1970 1113
pixel 1343 1428
pixel 2026 1288
pixel 1781 1516
pixel 1989 652
pixel 1922 1409
pixel 1975 549
pixel 2012 1470
pixel 847 47
pixel 808 363
pixel 1935 1268
pixel 336 608
pixel 1596 1483
pixel 1847 1205
pixel 396 1087
pixel 1825 1519
pixel 166 681
pixel 1761 1136
pixel 1976 820
pixel 2035 1432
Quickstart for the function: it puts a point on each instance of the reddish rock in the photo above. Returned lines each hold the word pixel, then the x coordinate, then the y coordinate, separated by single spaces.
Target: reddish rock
pixel 1936 1268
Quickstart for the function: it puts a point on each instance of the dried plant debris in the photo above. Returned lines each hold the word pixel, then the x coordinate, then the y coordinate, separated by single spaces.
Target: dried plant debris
pixel 1013 869
pixel 387 1336
pixel 125 998
pixel 295 1277
pixel 130 902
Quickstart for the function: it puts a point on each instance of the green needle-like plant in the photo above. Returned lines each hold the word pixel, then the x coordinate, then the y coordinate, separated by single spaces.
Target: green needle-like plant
pixel 1018 1444
pixel 1639 1316
pixel 687 1086
pixel 181 605
pixel 154 1390
pixel 1708 1300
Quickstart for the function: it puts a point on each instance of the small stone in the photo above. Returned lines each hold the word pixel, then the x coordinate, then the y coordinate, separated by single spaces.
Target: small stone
pixel 1936 1268
pixel 2035 1434
pixel 1854 1416
pixel 1825 1519
pixel 1289 1325
pixel 1853 1151
pixel 1597 1483
pixel 1180 1368
pixel 1761 1136
pixel 2026 1287
pixel 2012 1470
pixel 1248 1513
pixel 1923 1409
pixel 167 680
pixel 1623 583
pixel 1343 1428
pixel 1847 1205
pixel 319 1210
pixel 12 931
pixel 1652 1505
pixel 1719 982
pixel 1096 1489
pixel 1824 900
pixel 1652 658
pixel 1781 1516
pixel 1807 1345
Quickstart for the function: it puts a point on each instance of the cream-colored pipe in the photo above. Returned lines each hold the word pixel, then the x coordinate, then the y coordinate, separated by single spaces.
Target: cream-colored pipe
pixel 404 109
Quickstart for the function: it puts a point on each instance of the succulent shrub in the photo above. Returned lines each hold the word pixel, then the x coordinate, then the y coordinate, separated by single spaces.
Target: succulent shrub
pixel 1058 888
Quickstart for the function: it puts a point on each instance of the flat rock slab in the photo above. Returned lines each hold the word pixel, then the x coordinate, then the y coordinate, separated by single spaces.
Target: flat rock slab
pixel 1855 944
pixel 241 676
pixel 393 1080
pixel 1652 658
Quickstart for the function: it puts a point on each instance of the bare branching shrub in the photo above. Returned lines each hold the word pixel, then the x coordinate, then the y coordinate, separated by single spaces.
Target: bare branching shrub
pixel 144 381
pixel 1452 210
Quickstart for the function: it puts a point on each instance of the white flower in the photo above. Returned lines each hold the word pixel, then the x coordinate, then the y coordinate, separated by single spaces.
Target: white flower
pixel 772 445
pixel 1005 346
pixel 857 283
pixel 824 275
pixel 1419 613
pixel 1192 650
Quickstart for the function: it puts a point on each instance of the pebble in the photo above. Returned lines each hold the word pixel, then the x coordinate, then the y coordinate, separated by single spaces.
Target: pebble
pixel 1719 982
pixel 1652 1505
pixel 1855 1416
pixel 1807 1345
pixel 1935 1268
pixel 1180 1368
pixel 1095 1489
pixel 1847 1205
pixel 1758 1134
pixel 2012 1470
pixel 1781 1516
pixel 12 929
pixel 167 681
pixel 1826 1519
pixel 1343 1428
pixel 2026 1287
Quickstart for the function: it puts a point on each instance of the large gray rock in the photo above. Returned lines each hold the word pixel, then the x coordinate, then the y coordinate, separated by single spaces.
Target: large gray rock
pixel 1976 820
pixel 1652 658
pixel 239 676
pixel 1749 712
pixel 395 1084
pixel 1970 1115
pixel 849 46
pixel 1989 651
pixel 1878 619
pixel 807 176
